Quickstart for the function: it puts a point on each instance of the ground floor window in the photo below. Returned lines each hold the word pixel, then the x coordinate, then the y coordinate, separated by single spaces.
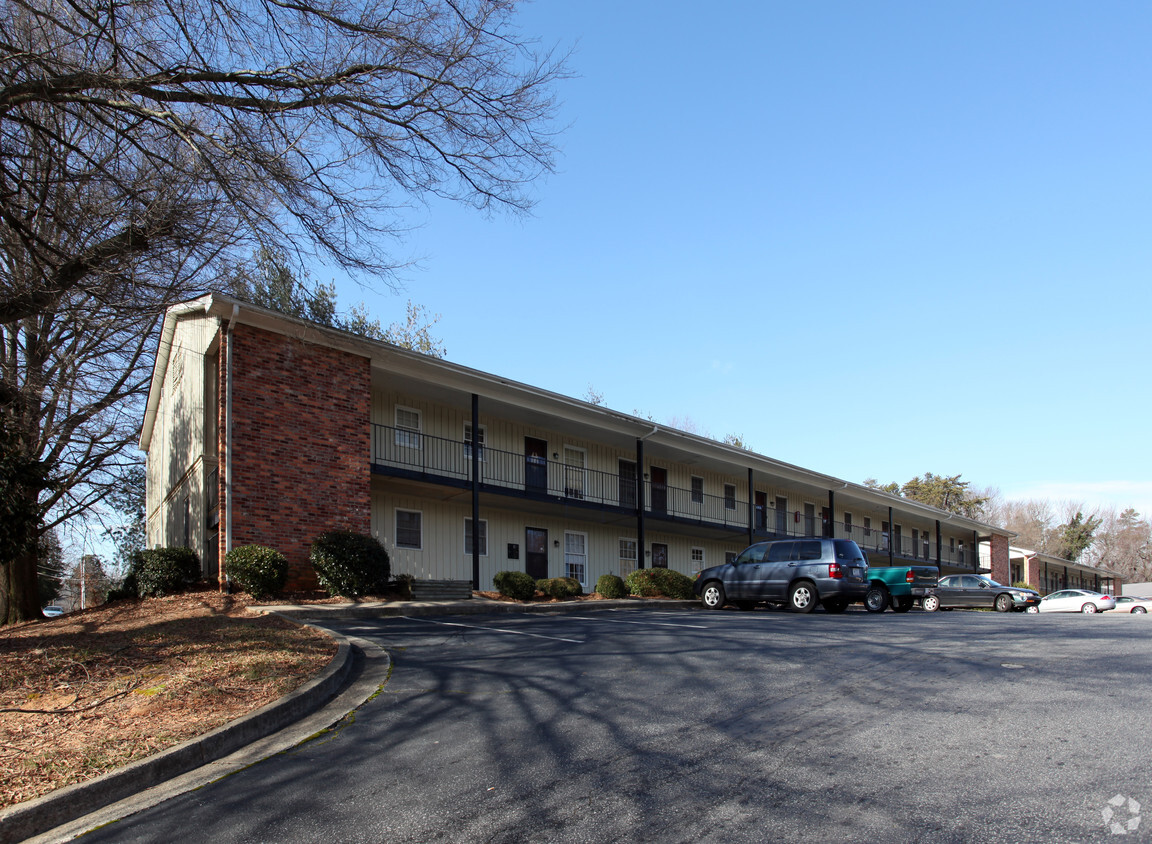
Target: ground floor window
pixel 576 556
pixel 483 537
pixel 698 555
pixel 627 557
pixel 409 529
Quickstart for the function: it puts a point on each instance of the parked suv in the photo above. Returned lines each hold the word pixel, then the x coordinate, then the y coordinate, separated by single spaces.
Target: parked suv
pixel 798 572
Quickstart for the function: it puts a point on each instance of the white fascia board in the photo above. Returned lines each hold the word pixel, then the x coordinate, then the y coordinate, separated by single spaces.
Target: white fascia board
pixel 203 305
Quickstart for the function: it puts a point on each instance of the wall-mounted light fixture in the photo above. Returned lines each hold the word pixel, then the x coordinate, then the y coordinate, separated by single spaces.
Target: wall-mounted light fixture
pixel 555 543
pixel 645 476
pixel 555 456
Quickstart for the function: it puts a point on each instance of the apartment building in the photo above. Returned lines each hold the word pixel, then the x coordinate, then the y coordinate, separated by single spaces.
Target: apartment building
pixel 264 428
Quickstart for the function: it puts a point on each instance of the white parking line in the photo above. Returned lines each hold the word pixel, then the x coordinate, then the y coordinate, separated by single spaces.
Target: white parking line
pixel 496 630
pixel 646 623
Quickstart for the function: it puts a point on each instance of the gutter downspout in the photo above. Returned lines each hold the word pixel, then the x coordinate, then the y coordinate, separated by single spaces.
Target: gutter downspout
pixel 228 443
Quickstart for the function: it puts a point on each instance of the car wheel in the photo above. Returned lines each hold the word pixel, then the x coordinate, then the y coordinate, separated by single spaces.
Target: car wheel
pixel 802 597
pixel 1003 603
pixel 901 604
pixel 834 605
pixel 877 599
pixel 1088 608
pixel 1035 610
pixel 931 603
pixel 712 596
pixel 1140 610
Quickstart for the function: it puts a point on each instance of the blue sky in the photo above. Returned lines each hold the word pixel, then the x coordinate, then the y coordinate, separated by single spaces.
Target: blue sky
pixel 875 239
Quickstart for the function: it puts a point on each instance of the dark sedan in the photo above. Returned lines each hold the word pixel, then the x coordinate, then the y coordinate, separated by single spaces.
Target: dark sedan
pixel 979 591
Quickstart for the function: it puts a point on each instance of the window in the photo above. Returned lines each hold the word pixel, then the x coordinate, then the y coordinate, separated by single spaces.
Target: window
pixel 924 538
pixel 867 526
pixel 575 556
pixel 848 525
pixel 729 557
pixel 407 427
pixel 729 496
pixel 627 484
pixel 781 514
pixel 697 490
pixel 627 557
pixel 915 542
pixel 483 537
pixel 884 535
pixel 698 555
pixel 409 533
pixel 575 459
pixel 480 441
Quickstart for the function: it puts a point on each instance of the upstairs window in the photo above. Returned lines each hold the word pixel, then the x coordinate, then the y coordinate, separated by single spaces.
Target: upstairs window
pixel 407 427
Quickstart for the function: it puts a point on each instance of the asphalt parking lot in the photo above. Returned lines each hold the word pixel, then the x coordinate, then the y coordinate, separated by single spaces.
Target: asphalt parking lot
pixel 639 725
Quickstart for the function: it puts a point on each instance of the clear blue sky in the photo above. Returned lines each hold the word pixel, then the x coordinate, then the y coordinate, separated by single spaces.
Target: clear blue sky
pixel 875 239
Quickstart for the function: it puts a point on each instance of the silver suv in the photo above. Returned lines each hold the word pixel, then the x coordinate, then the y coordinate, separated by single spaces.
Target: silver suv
pixel 798 572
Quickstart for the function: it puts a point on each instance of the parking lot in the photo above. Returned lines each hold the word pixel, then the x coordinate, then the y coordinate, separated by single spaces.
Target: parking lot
pixel 688 725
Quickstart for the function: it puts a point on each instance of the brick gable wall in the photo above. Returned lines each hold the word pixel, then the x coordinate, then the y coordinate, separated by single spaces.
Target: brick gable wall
pixel 300 440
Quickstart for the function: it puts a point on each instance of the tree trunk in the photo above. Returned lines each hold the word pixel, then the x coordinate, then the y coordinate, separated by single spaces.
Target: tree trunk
pixel 19 590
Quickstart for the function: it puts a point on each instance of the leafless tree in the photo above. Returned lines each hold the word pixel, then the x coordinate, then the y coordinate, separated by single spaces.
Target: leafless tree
pixel 147 144
pixel 308 124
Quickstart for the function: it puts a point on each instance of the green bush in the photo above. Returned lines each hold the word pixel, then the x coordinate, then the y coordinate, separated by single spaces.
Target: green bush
pixel 166 571
pixel 611 586
pixel 350 564
pixel 402 585
pixel 560 587
pixel 659 582
pixel 258 570
pixel 128 588
pixel 518 585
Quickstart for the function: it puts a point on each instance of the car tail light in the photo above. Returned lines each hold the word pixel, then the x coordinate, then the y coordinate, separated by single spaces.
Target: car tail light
pixel 834 570
pixel 910 576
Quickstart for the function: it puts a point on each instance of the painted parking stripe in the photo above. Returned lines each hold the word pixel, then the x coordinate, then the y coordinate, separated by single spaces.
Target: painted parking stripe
pixel 645 623
pixel 496 630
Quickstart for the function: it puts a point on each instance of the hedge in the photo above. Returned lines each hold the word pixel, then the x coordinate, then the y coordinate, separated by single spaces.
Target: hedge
pixel 350 564
pixel 256 569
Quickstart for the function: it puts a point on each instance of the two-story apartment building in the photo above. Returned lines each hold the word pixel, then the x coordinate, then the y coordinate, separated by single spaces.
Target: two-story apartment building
pixel 264 428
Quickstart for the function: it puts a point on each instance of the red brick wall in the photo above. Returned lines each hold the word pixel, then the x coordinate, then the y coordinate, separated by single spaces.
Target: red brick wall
pixel 1001 563
pixel 300 439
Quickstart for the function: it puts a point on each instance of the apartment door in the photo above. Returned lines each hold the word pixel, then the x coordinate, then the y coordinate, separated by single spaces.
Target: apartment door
pixel 659 489
pixel 761 511
pixel 536 552
pixel 826 521
pixel 781 515
pixel 535 465
pixel 809 519
pixel 659 555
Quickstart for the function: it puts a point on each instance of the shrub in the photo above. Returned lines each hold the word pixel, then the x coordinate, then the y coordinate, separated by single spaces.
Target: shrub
pixel 518 585
pixel 402 585
pixel 611 586
pixel 258 570
pixel 350 564
pixel 128 587
pixel 560 587
pixel 166 571
pixel 659 582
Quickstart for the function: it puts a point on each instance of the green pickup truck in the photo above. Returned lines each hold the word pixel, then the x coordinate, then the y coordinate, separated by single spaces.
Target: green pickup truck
pixel 898 587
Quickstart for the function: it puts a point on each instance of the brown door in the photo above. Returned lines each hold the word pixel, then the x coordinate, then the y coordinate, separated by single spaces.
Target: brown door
pixel 659 555
pixel 659 490
pixel 535 465
pixel 761 511
pixel 536 552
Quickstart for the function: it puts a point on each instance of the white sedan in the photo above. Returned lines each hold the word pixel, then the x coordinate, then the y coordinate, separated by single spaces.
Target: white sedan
pixel 1133 604
pixel 1076 600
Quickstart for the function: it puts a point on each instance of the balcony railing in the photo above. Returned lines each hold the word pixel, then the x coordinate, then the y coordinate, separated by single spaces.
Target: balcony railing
pixel 439 459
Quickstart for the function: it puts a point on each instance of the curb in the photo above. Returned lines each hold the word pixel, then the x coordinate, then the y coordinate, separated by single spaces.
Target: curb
pixel 41 814
pixel 472 606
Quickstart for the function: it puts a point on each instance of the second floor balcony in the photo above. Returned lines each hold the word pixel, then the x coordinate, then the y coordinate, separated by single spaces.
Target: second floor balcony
pixel 415 455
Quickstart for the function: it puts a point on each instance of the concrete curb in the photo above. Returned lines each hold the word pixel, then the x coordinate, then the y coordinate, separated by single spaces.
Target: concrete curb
pixel 473 606
pixel 33 817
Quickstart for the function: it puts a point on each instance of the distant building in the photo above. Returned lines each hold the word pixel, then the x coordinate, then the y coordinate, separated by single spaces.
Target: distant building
pixel 1046 573
pixel 263 428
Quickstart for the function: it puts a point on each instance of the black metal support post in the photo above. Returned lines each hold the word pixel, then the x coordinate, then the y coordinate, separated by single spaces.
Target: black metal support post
pixel 751 508
pixel 475 491
pixel 640 504
pixel 891 539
